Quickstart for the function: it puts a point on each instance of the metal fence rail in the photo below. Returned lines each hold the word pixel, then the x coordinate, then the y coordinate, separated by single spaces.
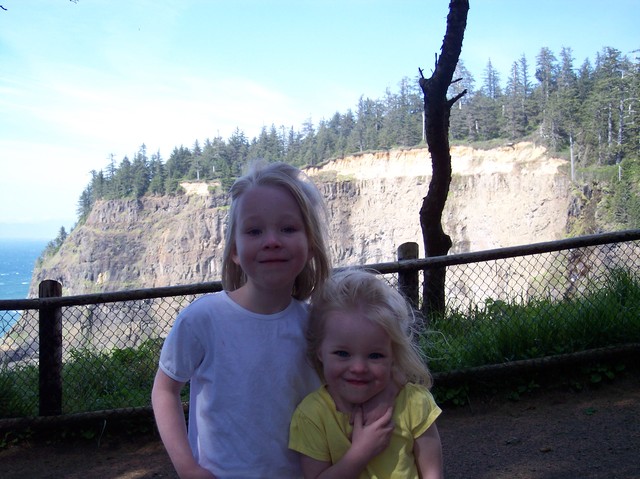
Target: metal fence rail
pixel 96 354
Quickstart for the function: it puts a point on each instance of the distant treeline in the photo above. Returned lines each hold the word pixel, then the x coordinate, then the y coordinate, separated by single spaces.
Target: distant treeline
pixel 591 113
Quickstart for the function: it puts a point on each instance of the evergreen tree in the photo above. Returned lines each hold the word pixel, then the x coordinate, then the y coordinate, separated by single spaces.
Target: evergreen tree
pixel 585 132
pixel 514 101
pixel 608 93
pixel 212 157
pixel 566 105
pixel 346 145
pixel 308 154
pixel 195 162
pixel 84 203
pixel 98 187
pixel 267 146
pixel 158 175
pixel 177 168
pixel 402 120
pixel 324 144
pixel 487 106
pixel 123 180
pixel 632 110
pixel 546 73
pixel 293 154
pixel 461 121
pixel 491 86
pixel 625 201
pixel 54 245
pixel 527 107
pixel 140 173
pixel 368 125
pixel 111 170
pixel 234 157
pixel 111 167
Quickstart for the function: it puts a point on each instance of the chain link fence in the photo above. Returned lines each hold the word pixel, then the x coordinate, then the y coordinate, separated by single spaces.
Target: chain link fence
pixel 507 305
pixel 536 306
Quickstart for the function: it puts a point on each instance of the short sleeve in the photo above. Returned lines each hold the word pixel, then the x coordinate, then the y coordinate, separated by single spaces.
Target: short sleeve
pixel 422 409
pixel 306 436
pixel 182 350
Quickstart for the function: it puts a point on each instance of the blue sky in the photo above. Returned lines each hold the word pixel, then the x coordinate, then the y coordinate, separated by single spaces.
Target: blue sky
pixel 80 81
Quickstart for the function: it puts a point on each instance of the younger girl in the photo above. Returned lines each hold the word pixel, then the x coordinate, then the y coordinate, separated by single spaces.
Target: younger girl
pixel 243 348
pixel 360 344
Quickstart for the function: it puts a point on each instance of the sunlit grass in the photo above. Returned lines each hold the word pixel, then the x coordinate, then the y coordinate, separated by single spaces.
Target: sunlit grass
pixel 501 331
pixel 91 381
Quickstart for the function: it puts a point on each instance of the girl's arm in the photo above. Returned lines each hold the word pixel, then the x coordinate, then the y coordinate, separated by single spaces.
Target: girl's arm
pixel 367 441
pixel 427 450
pixel 167 407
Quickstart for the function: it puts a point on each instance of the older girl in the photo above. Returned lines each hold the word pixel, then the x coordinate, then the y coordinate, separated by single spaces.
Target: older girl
pixel 243 349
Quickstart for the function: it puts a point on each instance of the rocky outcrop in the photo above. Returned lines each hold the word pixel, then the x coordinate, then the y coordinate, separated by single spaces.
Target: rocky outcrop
pixel 153 241
pixel 498 198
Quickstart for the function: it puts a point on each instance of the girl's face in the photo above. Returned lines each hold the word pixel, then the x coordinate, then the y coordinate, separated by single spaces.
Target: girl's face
pixel 356 356
pixel 271 244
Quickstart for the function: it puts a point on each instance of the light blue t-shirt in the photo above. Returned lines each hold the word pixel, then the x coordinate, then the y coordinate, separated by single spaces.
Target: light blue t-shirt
pixel 248 373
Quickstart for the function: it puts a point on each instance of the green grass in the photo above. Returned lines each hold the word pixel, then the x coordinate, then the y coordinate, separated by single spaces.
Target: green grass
pixel 503 331
pixel 19 391
pixel 110 380
pixel 91 381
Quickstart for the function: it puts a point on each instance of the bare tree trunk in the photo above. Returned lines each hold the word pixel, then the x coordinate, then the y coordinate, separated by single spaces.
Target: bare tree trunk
pixel 437 111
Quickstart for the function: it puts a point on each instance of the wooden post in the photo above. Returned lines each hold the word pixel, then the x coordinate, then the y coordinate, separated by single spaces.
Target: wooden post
pixel 408 280
pixel 50 366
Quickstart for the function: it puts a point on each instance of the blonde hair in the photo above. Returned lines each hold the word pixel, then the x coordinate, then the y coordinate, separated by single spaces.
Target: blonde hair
pixel 360 290
pixel 314 217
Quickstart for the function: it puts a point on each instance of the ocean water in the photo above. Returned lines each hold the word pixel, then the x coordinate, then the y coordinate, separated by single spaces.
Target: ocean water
pixel 17 259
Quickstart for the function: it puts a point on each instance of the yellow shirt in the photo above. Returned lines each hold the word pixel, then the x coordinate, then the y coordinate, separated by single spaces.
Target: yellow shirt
pixel 321 432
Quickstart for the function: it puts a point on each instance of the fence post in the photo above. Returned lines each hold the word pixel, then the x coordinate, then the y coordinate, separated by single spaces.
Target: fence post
pixel 50 363
pixel 408 280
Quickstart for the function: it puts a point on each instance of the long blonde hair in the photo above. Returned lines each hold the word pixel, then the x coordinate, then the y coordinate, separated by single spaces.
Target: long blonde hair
pixel 360 290
pixel 314 217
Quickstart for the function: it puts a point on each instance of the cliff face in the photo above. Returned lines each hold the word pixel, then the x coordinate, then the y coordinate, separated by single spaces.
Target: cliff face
pixel 498 198
pixel 150 242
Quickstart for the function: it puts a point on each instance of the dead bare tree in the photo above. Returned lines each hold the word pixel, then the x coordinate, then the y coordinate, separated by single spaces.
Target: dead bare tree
pixel 437 110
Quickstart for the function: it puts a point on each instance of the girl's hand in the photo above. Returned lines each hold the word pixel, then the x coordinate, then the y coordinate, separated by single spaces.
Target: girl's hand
pixel 167 407
pixel 371 438
pixel 367 441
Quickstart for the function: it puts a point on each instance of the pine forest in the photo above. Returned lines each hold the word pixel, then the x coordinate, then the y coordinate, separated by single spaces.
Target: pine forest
pixel 587 113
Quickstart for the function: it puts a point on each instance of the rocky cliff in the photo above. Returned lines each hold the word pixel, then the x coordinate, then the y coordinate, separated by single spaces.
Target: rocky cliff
pixel 501 197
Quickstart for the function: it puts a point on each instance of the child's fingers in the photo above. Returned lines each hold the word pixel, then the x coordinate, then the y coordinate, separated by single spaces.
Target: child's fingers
pixel 356 419
pixel 356 411
pixel 357 416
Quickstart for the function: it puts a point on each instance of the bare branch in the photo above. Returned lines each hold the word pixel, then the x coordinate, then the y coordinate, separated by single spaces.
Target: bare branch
pixel 456 98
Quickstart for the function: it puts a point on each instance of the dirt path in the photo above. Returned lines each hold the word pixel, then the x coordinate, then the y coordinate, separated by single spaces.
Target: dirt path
pixel 552 435
pixel 555 434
